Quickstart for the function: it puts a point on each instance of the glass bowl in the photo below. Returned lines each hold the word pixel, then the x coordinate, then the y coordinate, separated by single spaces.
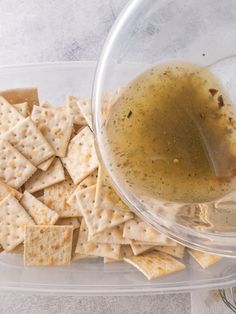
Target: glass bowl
pixel 148 33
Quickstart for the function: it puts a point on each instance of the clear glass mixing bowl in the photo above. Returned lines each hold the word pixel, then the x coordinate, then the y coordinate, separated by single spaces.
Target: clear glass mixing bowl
pixel 150 32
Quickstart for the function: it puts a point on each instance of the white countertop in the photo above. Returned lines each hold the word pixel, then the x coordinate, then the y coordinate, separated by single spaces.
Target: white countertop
pixel 56 30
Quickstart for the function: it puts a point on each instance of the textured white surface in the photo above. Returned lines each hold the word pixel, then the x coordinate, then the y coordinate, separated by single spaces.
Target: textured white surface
pixel 56 30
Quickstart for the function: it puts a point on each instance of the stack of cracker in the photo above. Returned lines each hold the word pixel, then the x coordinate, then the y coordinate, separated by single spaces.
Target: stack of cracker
pixel 57 204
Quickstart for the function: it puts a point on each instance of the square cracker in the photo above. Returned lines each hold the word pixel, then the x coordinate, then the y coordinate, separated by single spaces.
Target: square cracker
pixel 9 116
pixel 56 195
pixel 29 141
pixel 43 179
pixel 41 214
pixel 176 251
pixel 46 164
pixel 20 95
pixel 13 219
pixel 106 197
pixel 139 230
pixel 95 249
pixel 15 169
pixel 55 125
pixel 99 219
pixel 155 264
pixel 112 235
pixel 6 189
pixel 23 108
pixel 204 259
pixel 72 104
pixel 81 159
pixel 88 181
pixel 48 245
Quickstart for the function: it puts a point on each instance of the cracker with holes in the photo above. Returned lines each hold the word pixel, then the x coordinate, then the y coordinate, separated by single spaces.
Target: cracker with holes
pixel 81 159
pixel 125 251
pixel 48 245
pixel 112 235
pixel 6 189
pixel 55 125
pixel 95 249
pixel 176 251
pixel 15 169
pixel 88 181
pixel 78 117
pixel 155 264
pixel 85 107
pixel 9 116
pixel 106 197
pixel 23 108
pixel 139 230
pixel 99 219
pixel 204 259
pixel 43 179
pixel 40 213
pixel 29 141
pixel 13 219
pixel 56 195
pixel 21 95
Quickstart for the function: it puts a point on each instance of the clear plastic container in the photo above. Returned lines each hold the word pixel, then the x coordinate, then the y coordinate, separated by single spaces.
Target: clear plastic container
pixel 92 277
pixel 151 33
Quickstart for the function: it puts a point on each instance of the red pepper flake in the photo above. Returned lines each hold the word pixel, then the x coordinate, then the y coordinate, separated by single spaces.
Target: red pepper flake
pixel 129 114
pixel 213 91
pixel 220 101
